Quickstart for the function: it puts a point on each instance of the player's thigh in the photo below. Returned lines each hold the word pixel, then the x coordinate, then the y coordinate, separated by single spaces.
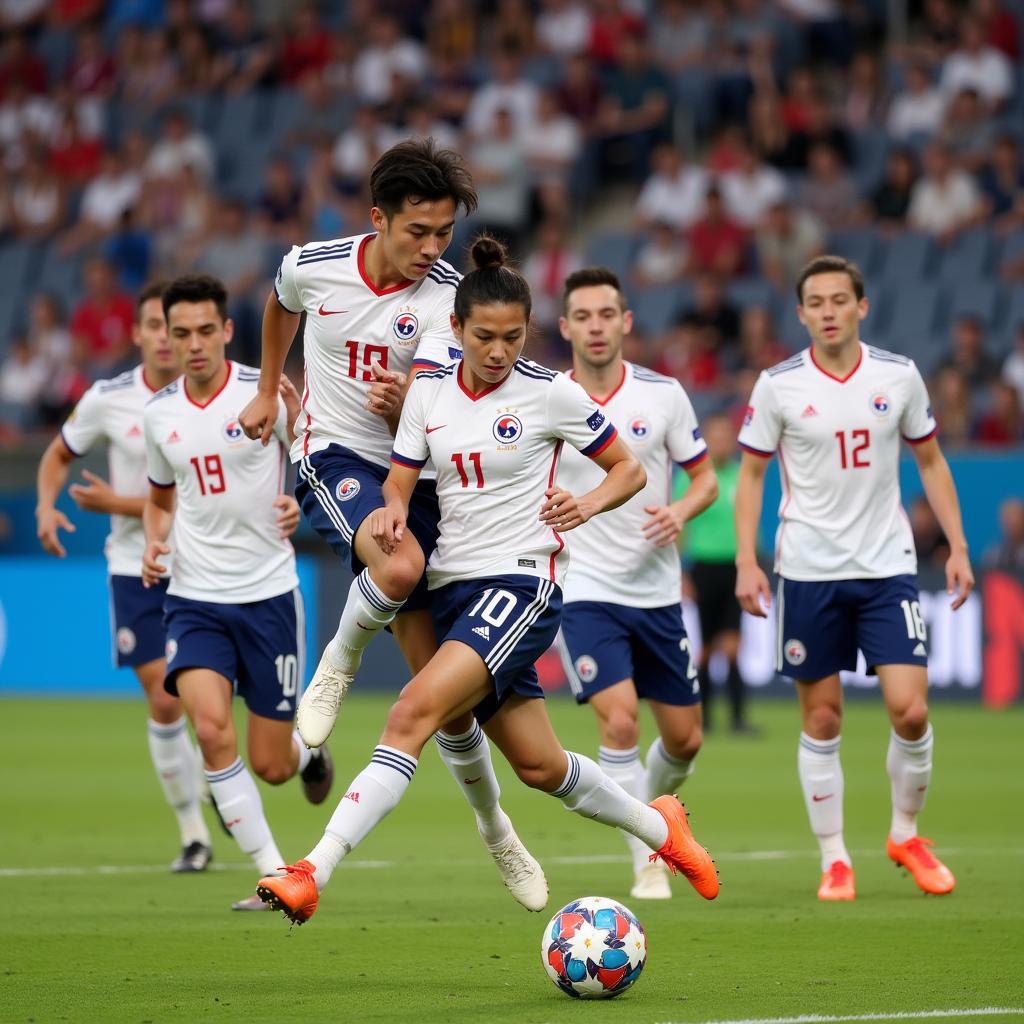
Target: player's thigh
pixel 816 629
pixel 270 742
pixel 679 726
pixel 821 706
pixel 594 643
pixel 414 633
pixel 905 691
pixel 163 708
pixel 522 731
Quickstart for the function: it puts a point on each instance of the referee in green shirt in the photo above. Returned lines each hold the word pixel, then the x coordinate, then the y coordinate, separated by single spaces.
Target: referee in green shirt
pixel 709 543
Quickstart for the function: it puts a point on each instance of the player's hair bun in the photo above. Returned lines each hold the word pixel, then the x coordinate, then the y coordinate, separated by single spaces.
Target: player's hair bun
pixel 488 253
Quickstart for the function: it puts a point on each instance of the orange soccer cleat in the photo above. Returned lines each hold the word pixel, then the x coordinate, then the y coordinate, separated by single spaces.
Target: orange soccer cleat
pixel 682 852
pixel 837 882
pixel 929 872
pixel 294 894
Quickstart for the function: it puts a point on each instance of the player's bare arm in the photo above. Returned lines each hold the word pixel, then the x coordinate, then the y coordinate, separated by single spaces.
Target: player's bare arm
pixel 752 589
pixel 292 404
pixel 387 394
pixel 96 495
pixel 387 525
pixel 51 477
pixel 942 496
pixel 667 521
pixel 157 520
pixel 257 419
pixel 624 478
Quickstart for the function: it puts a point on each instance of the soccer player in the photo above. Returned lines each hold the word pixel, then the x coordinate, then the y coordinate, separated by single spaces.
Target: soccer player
pixel 233 610
pixel 835 413
pixel 622 623
pixel 493 426
pixel 378 309
pixel 111 412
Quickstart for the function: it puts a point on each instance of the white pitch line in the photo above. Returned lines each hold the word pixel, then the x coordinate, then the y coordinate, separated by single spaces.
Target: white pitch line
pixel 815 1018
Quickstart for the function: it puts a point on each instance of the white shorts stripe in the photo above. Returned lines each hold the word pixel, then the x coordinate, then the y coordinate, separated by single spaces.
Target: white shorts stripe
pixel 300 636
pixel 778 626
pixel 326 502
pixel 575 683
pixel 508 642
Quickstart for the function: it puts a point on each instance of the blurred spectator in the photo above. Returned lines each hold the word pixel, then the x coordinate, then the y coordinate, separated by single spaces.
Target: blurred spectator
pixel 553 259
pixel 1013 368
pixel 661 258
pixel 22 14
pixel 891 201
pixel 324 205
pixel 180 145
pixel 945 199
pixel 244 55
pixel 828 31
pixel 25 120
pixel 564 27
pixel 502 183
pixel 976 65
pixel 307 47
pixel 280 202
pixel 968 356
pixel 149 71
pixel 1002 423
pixel 505 89
pixel 387 54
pixel 1008 554
pixel 357 148
pixel 103 320
pixel 23 376
pixel 829 191
pixel 717 244
pixel 552 145
pixel 74 158
pixel 939 29
pixel 819 127
pixel 1002 180
pixel 1000 27
pixel 579 93
pixel 680 35
pixel 752 189
pixel 512 27
pixel 674 193
pixel 105 200
pixel 130 251
pixel 92 71
pixel 688 355
pixel 37 200
pixel 967 132
pixel 612 24
pixel 769 135
pixel 20 63
pixel 929 541
pixel 951 404
pixel 712 314
pixel 451 29
pixel 196 72
pixel 760 347
pixel 866 102
pixel 789 238
pixel 48 333
pixel 917 110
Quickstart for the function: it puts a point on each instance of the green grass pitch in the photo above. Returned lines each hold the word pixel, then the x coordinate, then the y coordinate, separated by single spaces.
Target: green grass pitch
pixel 416 926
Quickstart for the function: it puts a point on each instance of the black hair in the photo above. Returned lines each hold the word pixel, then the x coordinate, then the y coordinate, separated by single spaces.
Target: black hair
pixel 589 277
pixel 196 288
pixel 416 170
pixel 491 283
pixel 153 290
pixel 831 265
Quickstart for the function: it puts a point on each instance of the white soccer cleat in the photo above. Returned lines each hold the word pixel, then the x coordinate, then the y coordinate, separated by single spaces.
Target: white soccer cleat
pixel 651 883
pixel 522 875
pixel 318 709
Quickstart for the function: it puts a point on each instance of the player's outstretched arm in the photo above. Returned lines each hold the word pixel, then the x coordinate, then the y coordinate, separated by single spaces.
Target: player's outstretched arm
pixel 624 478
pixel 387 524
pixel 942 496
pixel 666 521
pixel 157 520
pixel 752 589
pixel 257 419
pixel 51 477
pixel 96 495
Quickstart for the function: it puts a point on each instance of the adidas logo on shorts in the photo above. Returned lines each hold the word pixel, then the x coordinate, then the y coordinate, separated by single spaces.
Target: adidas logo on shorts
pixel 484 631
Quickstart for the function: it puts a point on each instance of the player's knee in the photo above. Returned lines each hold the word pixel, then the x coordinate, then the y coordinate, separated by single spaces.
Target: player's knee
pixel 213 735
pixel 400 574
pixel 163 708
pixel 539 774
pixel 272 771
pixel 411 720
pixel 684 746
pixel 911 722
pixel 823 722
pixel 621 730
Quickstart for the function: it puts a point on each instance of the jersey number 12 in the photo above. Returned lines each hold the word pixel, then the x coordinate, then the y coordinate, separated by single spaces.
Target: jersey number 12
pixel 856 449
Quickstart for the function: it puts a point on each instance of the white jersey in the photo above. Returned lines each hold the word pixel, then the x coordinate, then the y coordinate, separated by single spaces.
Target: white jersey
pixel 611 559
pixel 838 443
pixel 111 411
pixel 495 454
pixel 350 323
pixel 227 547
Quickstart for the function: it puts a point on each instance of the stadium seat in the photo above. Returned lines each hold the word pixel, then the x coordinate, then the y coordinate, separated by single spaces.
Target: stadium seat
pixel 983 299
pixel 750 291
pixel 1013 248
pixel 1013 322
pixel 656 309
pixel 792 333
pixel 912 324
pixel 870 149
pixel 969 257
pixel 858 244
pixel 906 258
pixel 614 250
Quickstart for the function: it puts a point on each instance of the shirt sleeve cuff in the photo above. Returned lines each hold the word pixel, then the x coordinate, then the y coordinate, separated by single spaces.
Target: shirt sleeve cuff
pixel 699 457
pixel 163 487
pixel 280 302
pixel 600 443
pixel 67 444
pixel 404 460
pixel 925 437
pixel 756 451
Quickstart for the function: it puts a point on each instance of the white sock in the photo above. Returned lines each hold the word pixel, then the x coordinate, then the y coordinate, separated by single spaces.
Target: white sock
pixel 367 611
pixel 304 752
pixel 174 760
pixel 468 758
pixel 590 793
pixel 372 795
pixel 238 801
pixel 625 768
pixel 821 776
pixel 909 763
pixel 665 773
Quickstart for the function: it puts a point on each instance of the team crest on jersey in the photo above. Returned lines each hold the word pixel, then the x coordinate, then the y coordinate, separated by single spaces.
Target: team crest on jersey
pixel 639 428
pixel 880 404
pixel 507 429
pixel 586 668
pixel 748 416
pixel 171 649
pixel 232 431
pixel 125 640
pixel 406 325
pixel 347 489
pixel 796 653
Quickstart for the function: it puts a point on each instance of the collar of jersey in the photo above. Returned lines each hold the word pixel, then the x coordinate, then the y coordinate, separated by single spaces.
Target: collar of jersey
pixel 490 389
pixel 832 376
pixel 210 400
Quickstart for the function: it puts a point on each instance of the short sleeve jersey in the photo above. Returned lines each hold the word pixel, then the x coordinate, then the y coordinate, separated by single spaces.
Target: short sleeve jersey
pixel 350 324
pixel 227 547
pixel 838 443
pixel 110 412
pixel 611 559
pixel 495 454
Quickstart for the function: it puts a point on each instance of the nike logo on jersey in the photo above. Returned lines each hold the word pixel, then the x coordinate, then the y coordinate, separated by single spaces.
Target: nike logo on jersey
pixel 330 312
pixel 817 799
pixel 440 426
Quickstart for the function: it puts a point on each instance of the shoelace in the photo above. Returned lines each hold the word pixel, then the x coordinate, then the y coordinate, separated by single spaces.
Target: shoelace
pixel 327 696
pixel 919 848
pixel 513 858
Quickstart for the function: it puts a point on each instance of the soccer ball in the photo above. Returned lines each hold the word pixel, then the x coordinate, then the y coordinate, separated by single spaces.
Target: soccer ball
pixel 594 948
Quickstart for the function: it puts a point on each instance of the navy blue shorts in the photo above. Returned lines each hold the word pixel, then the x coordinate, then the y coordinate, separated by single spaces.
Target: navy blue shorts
pixel 822 623
pixel 510 621
pixel 604 643
pixel 338 489
pixel 260 647
pixel 137 620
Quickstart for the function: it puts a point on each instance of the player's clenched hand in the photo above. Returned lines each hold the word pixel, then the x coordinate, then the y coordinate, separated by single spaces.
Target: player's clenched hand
pixel 562 511
pixel 959 578
pixel 48 522
pixel 385 394
pixel 664 525
pixel 152 569
pixel 387 527
pixel 288 516
pixel 751 587
pixel 257 419
pixel 96 496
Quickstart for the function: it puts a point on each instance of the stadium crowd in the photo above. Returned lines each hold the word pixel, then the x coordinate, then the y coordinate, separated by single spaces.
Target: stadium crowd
pixel 144 138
